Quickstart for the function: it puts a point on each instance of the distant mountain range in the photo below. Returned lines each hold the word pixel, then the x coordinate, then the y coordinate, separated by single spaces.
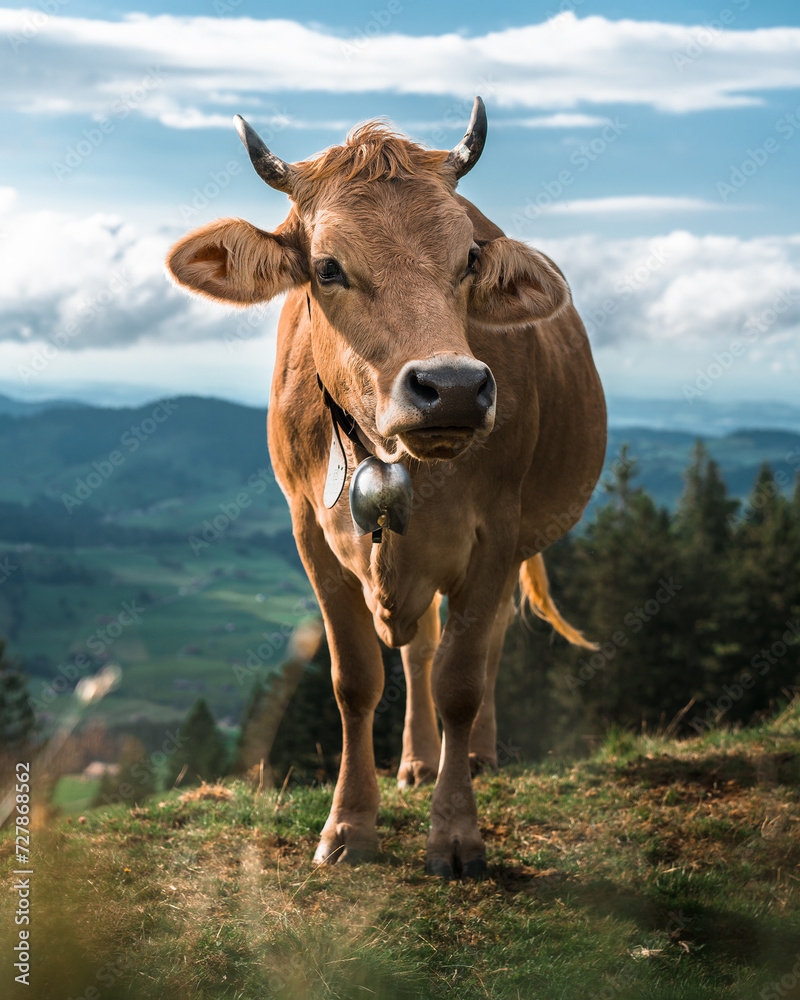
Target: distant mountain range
pixel 187 451
pixel 701 418
pixel 21 408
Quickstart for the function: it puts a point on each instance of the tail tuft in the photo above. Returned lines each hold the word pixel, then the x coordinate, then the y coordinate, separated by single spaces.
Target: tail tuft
pixel 536 591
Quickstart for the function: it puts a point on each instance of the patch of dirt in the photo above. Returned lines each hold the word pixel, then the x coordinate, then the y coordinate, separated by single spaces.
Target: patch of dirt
pixel 216 793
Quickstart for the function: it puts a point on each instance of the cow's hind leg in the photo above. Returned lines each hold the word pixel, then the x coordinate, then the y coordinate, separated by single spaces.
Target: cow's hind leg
pixel 421 743
pixel 349 833
pixel 483 738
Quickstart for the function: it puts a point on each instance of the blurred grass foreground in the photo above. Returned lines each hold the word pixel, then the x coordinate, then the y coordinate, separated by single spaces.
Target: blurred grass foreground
pixel 655 869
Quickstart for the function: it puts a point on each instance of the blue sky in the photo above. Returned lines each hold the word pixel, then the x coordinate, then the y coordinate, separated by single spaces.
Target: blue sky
pixel 650 149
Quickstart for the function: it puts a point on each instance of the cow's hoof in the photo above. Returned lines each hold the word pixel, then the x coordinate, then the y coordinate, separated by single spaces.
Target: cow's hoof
pixel 441 869
pixel 413 773
pixel 480 764
pixel 455 867
pixel 356 854
pixel 474 869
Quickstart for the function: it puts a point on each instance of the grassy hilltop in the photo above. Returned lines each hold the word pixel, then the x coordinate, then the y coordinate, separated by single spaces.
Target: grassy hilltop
pixel 655 869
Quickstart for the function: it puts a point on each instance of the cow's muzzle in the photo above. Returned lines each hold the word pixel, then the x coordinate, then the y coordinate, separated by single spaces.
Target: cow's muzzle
pixel 439 405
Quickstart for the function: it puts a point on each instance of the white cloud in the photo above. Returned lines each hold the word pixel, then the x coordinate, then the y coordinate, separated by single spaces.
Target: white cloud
pixel 76 284
pixel 8 197
pixel 684 292
pixel 646 204
pixel 562 119
pixel 184 71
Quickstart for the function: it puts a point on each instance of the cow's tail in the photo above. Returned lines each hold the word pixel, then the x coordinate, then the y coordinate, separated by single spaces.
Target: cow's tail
pixel 536 591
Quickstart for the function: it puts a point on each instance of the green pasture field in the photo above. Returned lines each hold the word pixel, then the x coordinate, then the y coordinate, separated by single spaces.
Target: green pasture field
pixel 74 794
pixel 655 870
pixel 186 621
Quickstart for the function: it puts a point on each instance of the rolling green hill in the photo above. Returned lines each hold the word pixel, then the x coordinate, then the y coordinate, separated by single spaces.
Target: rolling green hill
pixel 170 509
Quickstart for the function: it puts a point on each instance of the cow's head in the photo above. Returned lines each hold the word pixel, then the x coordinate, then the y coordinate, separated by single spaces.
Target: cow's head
pixel 395 278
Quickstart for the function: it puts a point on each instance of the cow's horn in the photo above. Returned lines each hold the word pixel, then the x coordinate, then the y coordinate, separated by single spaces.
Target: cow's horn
pixel 268 166
pixel 467 153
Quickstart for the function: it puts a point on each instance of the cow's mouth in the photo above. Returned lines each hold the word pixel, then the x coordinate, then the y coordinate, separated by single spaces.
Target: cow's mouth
pixel 429 443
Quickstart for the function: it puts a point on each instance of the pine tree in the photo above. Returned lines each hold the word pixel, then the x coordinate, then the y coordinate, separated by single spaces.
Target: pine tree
pixel 765 600
pixel 706 514
pixel 200 748
pixel 17 718
pixel 703 529
pixel 628 591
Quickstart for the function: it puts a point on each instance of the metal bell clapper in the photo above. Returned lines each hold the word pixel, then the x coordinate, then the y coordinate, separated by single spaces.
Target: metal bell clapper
pixel 380 497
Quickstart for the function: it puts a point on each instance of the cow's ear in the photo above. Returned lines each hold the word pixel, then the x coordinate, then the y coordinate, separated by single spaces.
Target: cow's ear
pixel 231 260
pixel 515 285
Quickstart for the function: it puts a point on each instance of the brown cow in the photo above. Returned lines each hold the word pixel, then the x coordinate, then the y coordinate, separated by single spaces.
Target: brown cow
pixel 415 336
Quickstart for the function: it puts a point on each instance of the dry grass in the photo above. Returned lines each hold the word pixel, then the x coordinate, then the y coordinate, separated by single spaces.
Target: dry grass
pixel 206 793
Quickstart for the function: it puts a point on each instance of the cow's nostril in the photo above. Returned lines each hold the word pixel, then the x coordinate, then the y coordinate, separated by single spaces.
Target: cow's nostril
pixel 423 391
pixel 446 390
pixel 486 392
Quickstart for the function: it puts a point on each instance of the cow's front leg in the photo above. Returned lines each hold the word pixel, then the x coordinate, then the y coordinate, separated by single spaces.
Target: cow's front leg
pixel 357 669
pixel 455 847
pixel 421 744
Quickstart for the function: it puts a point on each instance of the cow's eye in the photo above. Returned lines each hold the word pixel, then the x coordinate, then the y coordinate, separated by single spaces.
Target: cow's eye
pixel 329 272
pixel 472 260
